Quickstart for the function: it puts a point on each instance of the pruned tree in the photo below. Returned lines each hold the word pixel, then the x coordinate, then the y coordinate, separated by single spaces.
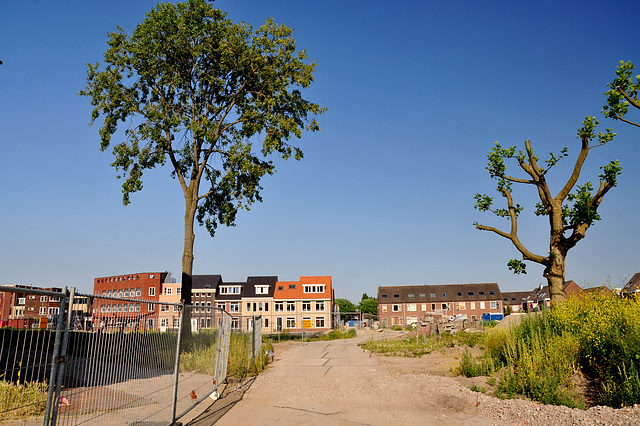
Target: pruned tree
pixel 570 212
pixel 216 100
pixel 622 94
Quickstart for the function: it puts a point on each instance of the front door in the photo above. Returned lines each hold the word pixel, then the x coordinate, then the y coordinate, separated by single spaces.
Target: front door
pixel 279 323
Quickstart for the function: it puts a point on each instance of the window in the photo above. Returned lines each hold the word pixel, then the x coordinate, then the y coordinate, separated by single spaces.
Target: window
pixel 43 298
pixel 319 306
pixel 234 307
pixel 459 294
pixel 469 293
pixel 397 308
pixel 53 311
pixel 266 306
pixel 137 307
pixel 495 305
pixel 230 290
pixel 248 307
pixel 126 292
pixel 109 293
pixel 22 300
pixel 319 322
pixel 291 306
pixel 178 290
pixel 317 288
pixel 235 323
pixel 151 276
pixel 384 308
pixel 292 286
pixel 120 293
pixel 164 308
pixel 291 322
pixel 491 292
pixel 259 306
pixel 220 305
pixel 481 305
pixel 151 307
pixel 280 287
pixel 472 305
pixel 176 323
pixel 266 322
pixel 481 293
pixel 422 295
pixel 462 306
pixel 411 295
pixel 383 296
pixel 444 294
pixel 306 306
pixel 138 291
pixel 164 322
pixel 433 306
pixel 262 289
pixel 445 306
pixel 119 307
pixel 396 295
pixel 411 307
pixel 168 290
pixel 424 307
pixel 43 310
pixel 152 291
pixel 278 306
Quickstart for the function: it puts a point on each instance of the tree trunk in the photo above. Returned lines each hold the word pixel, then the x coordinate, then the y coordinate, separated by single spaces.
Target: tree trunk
pixel 554 273
pixel 187 260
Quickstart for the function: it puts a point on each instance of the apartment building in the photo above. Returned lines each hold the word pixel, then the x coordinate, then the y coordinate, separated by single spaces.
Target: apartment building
pixel 139 289
pixel 229 297
pixel 406 305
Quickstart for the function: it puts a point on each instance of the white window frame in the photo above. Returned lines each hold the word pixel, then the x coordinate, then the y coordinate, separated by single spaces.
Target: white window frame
pixel 152 291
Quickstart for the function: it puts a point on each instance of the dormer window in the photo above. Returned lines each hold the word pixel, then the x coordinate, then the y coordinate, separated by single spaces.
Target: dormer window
pixel 262 289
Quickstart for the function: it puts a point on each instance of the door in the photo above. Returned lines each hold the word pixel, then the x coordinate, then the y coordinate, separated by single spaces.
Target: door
pixel 279 323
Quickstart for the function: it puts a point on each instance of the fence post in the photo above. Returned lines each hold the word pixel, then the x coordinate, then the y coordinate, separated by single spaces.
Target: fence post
pixel 176 371
pixel 54 360
pixel 63 354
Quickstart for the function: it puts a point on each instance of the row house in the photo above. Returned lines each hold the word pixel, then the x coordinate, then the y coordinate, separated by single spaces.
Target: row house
pixel 515 300
pixel 203 294
pixel 304 305
pixel 137 310
pixel 406 305
pixel 26 310
pixel 540 297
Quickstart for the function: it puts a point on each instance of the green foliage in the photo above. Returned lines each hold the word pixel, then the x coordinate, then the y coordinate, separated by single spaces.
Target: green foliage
pixel 368 305
pixel 345 305
pixel 623 93
pixel 517 266
pixel 415 346
pixel 197 89
pixel 470 367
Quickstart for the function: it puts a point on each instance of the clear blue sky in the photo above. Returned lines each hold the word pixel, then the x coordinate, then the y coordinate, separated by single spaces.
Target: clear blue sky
pixel 417 91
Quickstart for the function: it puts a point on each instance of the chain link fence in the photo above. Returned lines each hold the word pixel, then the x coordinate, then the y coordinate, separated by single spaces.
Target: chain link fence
pixel 111 364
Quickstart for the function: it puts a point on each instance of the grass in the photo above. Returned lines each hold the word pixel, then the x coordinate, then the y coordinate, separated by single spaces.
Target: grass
pixel 416 346
pixel 22 400
pixel 596 335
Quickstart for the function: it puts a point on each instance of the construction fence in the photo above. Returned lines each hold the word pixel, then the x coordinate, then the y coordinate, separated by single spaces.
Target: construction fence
pixel 117 367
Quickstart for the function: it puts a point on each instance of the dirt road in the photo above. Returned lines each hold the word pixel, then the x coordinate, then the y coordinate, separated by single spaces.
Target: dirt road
pixel 337 383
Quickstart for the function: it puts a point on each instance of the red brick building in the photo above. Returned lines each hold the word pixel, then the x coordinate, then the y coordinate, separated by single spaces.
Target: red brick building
pixel 139 289
pixel 406 305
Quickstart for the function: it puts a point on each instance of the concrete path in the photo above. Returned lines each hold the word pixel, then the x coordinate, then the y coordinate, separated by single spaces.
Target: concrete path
pixel 333 383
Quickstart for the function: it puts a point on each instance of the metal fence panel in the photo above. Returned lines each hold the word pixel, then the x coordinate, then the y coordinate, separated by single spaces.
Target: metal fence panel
pixel 116 363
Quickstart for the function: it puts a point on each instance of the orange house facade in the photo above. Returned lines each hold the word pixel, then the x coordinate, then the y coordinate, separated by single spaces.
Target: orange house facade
pixel 304 305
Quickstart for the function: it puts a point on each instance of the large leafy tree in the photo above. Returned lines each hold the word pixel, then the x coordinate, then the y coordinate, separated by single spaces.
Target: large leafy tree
pixel 214 99
pixel 623 93
pixel 571 211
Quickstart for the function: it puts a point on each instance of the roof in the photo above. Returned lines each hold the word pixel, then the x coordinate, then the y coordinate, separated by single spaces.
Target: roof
pixel 205 281
pixel 249 290
pixel 439 293
pixel 540 293
pixel 633 284
pixel 515 297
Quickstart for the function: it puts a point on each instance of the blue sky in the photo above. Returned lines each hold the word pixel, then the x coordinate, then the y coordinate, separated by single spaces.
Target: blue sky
pixel 417 94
